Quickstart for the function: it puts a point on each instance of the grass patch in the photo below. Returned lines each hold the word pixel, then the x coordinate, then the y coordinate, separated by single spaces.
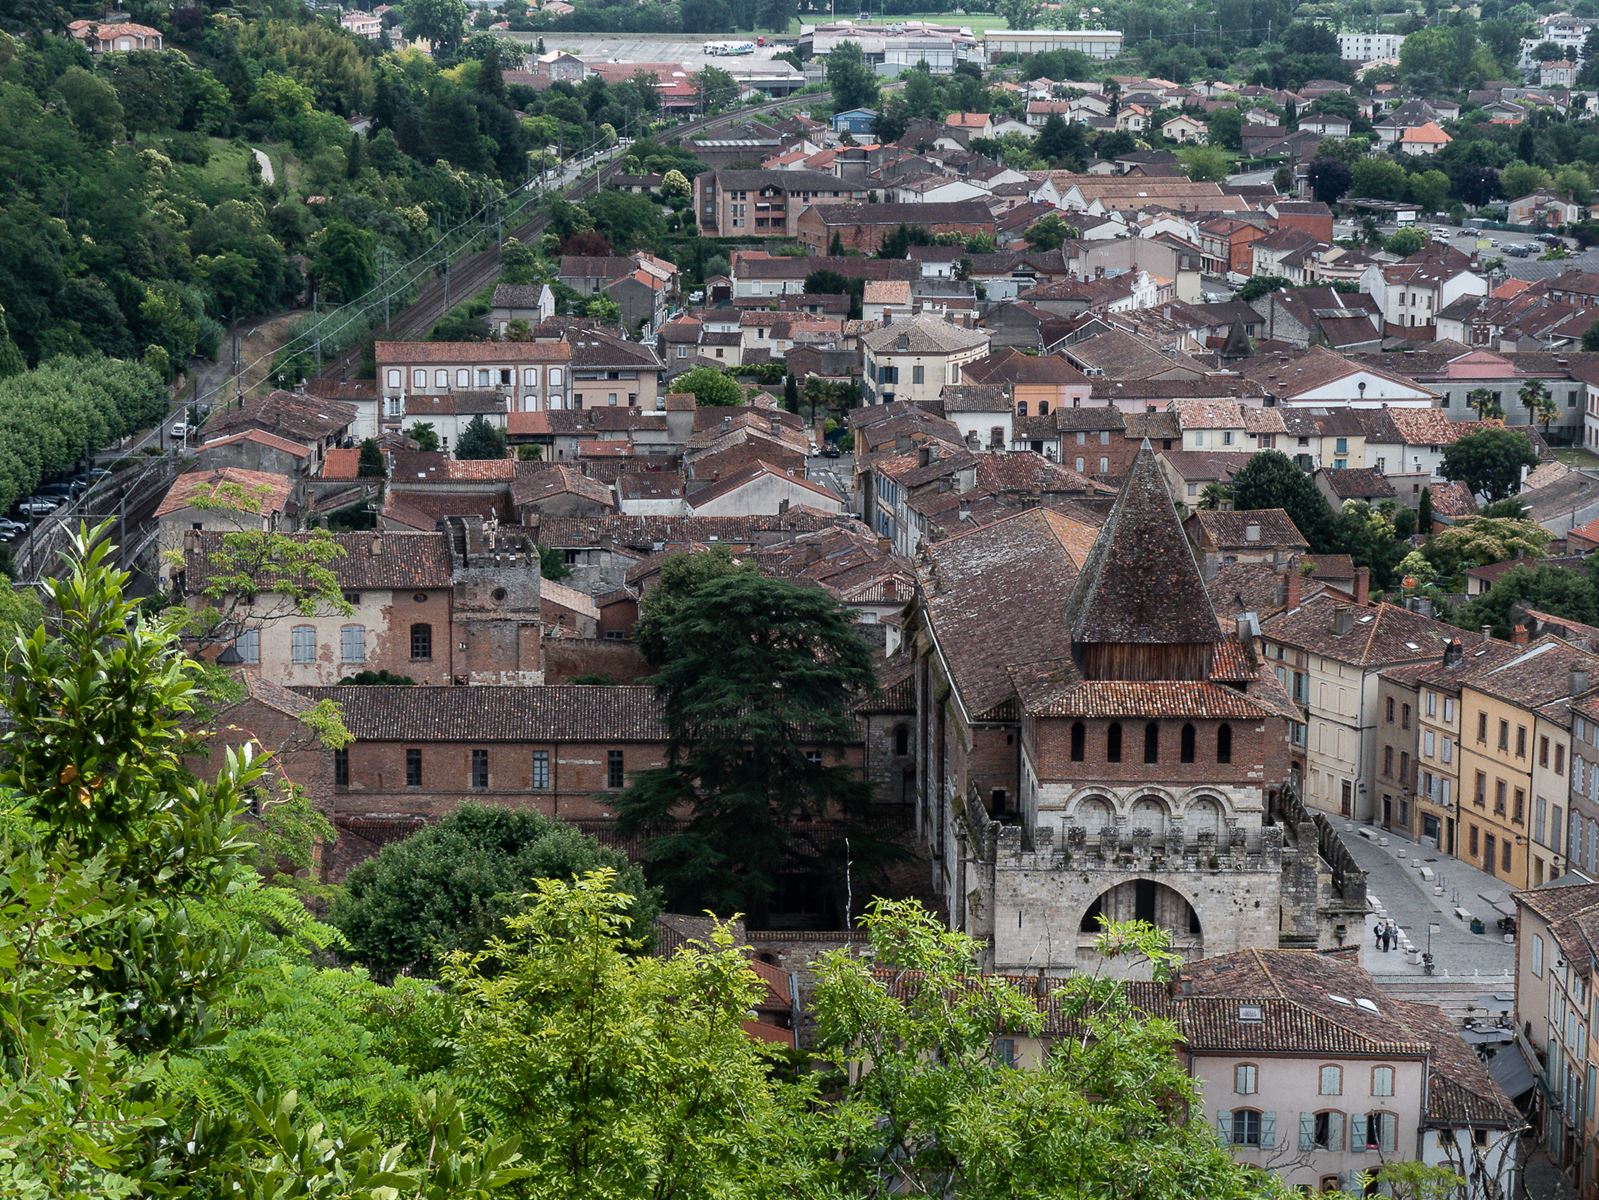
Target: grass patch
pixel 228 166
pixel 1576 456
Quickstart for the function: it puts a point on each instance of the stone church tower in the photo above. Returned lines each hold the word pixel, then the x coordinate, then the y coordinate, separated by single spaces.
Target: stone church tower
pixel 1091 741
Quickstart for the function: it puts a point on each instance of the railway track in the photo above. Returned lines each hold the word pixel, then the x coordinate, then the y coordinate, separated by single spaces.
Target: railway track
pixel 476 271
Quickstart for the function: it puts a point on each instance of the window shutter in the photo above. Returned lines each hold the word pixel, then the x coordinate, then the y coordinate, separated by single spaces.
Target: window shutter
pixel 1307 1131
pixel 1388 1132
pixel 1335 1131
pixel 1224 1125
pixel 1357 1134
pixel 1268 1130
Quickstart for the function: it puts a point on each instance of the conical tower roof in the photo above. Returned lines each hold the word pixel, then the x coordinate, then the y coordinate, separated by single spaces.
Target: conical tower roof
pixel 1141 584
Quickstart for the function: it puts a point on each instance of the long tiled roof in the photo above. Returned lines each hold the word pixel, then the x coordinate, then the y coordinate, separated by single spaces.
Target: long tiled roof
pixel 1377 636
pixel 560 712
pixel 990 594
pixel 370 560
pixel 1170 699
pixel 1230 530
pixel 295 415
pixel 270 491
pixel 925 334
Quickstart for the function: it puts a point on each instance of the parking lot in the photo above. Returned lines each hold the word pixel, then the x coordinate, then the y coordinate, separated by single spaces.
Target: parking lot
pixel 645 48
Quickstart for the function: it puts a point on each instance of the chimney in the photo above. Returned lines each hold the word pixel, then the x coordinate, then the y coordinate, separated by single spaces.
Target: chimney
pixel 1518 634
pixel 890 589
pixel 377 544
pixel 1362 586
pixel 1454 652
pixel 1578 681
pixel 966 478
pixel 1293 584
pixel 1251 533
pixel 1343 619
pixel 924 456
pixel 1487 632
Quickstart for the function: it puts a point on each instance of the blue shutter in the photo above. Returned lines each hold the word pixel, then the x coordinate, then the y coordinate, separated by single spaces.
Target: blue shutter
pixel 1357 1134
pixel 1335 1131
pixel 1268 1130
pixel 1307 1131
pixel 1224 1125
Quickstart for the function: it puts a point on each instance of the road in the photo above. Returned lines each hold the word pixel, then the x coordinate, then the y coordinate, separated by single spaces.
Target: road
pixel 268 175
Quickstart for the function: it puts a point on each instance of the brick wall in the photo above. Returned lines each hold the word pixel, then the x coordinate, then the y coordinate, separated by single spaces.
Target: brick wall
pixel 1050 743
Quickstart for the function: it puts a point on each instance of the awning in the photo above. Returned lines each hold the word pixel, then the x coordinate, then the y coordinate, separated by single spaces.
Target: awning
pixel 1511 1071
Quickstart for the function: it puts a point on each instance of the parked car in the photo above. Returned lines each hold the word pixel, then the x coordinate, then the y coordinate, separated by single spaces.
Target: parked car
pixel 8 526
pixel 830 451
pixel 179 430
pixel 39 506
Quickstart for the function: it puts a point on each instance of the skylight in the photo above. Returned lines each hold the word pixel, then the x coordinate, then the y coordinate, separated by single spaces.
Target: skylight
pixel 1340 999
pixel 1251 1013
pixel 1366 1004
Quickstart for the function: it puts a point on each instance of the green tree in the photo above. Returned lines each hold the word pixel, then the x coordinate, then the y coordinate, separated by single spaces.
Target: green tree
pixel 254 576
pixel 1556 590
pixel 1020 14
pixel 623 1074
pixel 631 222
pixel 1479 541
pixel 92 104
pixel 1534 396
pixel 850 78
pixel 711 388
pixel 1329 179
pixel 480 439
pixel 752 674
pixel 1262 285
pixel 1429 189
pixel 1572 180
pixel 1378 179
pixel 344 262
pixel 1485 402
pixel 1061 143
pixel 1271 480
pixel 424 435
pixel 552 563
pixel 450 886
pixel 520 263
pixel 791 393
pixel 371 461
pixel 665 605
pixel 1226 127
pixel 1424 512
pixel 1522 179
pixel 1405 242
pixel 1206 163
pixel 1121 1107
pixel 442 22
pixel 1049 232
pixel 1490 462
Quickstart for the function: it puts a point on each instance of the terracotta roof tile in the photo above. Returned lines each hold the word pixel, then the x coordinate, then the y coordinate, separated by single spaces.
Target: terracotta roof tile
pixel 562 712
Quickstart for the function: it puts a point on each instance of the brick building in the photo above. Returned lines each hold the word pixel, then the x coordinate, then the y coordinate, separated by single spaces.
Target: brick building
pixel 864 227
pixel 457 606
pixel 562 750
pixel 765 203
pixel 1105 748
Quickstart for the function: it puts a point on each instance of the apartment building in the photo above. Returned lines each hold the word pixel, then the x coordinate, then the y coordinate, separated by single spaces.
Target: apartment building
pixel 448 383
pixel 1417 781
pixel 1516 716
pixel 731 203
pixel 1557 929
pixel 1342 650
pixel 915 359
pixel 453 607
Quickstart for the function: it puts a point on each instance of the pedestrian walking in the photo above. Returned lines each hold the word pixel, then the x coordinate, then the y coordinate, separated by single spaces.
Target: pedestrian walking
pixel 1376 933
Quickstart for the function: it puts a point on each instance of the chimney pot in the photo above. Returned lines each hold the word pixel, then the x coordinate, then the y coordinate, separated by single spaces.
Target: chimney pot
pixel 1578 681
pixel 1293 586
pixel 1518 634
pixel 1343 619
pixel 1487 632
pixel 1362 586
pixel 1454 652
pixel 1252 533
